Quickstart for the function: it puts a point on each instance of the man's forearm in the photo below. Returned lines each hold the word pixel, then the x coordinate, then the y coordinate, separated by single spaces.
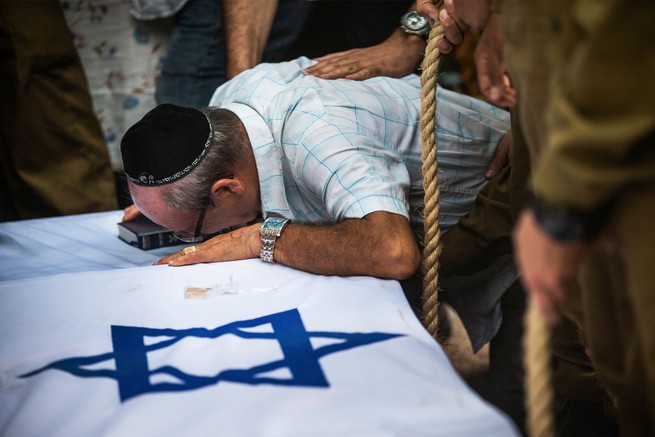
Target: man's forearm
pixel 247 25
pixel 380 244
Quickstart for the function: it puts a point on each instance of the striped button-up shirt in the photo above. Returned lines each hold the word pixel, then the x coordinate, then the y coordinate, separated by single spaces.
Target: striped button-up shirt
pixel 328 150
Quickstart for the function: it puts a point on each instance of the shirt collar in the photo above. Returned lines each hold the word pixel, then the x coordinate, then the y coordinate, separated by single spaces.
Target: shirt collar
pixel 268 158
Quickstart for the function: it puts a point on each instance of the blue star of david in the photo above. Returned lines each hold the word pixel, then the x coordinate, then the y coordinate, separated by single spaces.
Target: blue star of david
pixel 299 356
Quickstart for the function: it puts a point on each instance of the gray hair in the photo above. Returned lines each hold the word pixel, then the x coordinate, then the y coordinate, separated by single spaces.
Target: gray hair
pixel 227 149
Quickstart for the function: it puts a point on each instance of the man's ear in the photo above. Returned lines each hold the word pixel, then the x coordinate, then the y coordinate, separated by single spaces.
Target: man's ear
pixel 227 186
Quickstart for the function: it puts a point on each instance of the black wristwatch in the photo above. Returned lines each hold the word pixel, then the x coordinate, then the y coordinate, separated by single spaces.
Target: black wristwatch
pixel 566 224
pixel 415 24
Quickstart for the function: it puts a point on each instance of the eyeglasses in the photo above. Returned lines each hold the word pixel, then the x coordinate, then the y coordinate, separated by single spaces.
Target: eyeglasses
pixel 197 235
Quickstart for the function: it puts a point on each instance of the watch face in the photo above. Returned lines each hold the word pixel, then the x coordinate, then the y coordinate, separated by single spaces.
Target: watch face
pixel 272 226
pixel 414 21
pixel 274 222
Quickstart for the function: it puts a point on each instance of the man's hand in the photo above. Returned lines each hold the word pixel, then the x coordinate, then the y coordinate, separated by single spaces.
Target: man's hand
pixel 502 156
pixel 490 64
pixel 381 244
pixel 547 266
pixel 456 17
pixel 397 56
pixel 453 34
pixel 130 213
pixel 242 243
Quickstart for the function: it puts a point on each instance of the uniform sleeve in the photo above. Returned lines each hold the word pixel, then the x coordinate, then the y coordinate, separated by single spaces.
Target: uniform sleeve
pixel 601 115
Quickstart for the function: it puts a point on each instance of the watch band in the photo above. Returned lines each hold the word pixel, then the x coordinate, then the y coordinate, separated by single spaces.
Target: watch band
pixel 270 231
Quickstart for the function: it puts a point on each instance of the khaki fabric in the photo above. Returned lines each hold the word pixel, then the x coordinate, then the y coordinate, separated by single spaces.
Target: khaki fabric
pixel 53 157
pixel 591 136
pixel 618 304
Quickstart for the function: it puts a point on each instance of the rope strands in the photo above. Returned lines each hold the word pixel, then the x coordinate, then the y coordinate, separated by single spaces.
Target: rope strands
pixel 432 234
pixel 539 395
pixel 536 340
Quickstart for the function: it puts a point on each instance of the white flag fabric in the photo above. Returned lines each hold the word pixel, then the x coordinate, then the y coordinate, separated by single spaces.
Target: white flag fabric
pixel 230 349
pixel 74 243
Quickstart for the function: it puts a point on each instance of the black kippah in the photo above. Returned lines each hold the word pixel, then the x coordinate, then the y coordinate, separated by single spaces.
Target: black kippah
pixel 166 144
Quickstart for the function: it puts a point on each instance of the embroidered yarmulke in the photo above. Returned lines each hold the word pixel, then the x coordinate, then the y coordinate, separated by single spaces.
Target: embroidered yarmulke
pixel 165 145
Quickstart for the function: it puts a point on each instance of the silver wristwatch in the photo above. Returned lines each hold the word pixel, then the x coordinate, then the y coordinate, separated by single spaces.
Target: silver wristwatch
pixel 270 231
pixel 415 24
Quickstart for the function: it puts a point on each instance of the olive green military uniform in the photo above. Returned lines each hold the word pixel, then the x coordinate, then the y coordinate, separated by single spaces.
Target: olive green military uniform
pixel 616 299
pixel 593 149
pixel 53 157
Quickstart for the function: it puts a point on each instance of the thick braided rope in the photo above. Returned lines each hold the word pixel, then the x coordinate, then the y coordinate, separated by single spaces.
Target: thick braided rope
pixel 432 234
pixel 539 394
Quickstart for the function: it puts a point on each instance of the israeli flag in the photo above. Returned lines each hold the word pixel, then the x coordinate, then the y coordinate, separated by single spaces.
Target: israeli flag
pixel 226 349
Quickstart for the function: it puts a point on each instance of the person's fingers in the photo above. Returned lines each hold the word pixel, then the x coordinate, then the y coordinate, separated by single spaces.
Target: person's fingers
pixel 509 93
pixel 363 74
pixel 547 308
pixel 491 82
pixel 543 298
pixel 452 31
pixel 333 58
pixel 165 260
pixel 330 56
pixel 429 9
pixel 335 68
pixel 189 255
pixel 187 259
pixel 494 167
pixel 500 159
pixel 324 67
pixel 549 288
pixel 490 64
pixel 130 213
pixel 496 92
pixel 182 254
pixel 444 46
pixel 340 72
